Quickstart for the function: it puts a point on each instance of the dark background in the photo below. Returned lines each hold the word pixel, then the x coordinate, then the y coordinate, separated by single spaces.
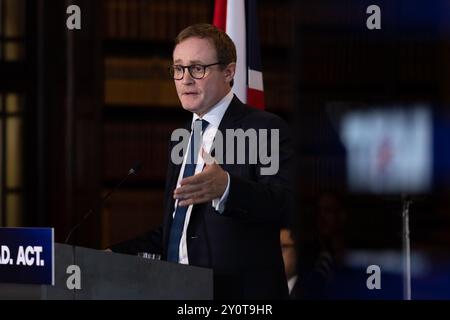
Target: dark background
pixel 90 102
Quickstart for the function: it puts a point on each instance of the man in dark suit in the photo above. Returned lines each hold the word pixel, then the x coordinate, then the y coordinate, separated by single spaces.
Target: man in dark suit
pixel 225 216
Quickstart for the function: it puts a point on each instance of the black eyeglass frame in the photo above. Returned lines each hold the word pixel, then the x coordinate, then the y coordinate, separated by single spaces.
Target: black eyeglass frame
pixel 204 66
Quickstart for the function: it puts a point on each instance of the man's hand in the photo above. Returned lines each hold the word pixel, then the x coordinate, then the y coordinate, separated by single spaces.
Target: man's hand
pixel 203 187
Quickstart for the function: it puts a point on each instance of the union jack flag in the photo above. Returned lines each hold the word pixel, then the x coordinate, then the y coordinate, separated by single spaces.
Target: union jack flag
pixel 238 19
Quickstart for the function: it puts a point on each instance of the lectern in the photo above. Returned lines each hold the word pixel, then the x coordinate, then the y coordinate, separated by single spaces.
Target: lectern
pixel 106 275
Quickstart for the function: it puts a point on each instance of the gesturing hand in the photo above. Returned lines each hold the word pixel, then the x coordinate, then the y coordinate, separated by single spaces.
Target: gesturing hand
pixel 203 187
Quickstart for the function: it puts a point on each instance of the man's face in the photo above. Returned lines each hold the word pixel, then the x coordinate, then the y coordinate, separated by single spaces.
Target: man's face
pixel 199 95
pixel 289 253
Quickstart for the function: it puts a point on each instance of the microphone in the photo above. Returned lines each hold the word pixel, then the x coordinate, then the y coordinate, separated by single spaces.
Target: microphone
pixel 133 171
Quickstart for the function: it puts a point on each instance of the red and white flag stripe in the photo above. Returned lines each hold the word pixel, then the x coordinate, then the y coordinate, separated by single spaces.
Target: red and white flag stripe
pixel 238 19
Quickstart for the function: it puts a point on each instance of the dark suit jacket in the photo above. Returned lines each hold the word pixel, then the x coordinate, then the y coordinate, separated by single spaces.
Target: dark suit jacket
pixel 242 244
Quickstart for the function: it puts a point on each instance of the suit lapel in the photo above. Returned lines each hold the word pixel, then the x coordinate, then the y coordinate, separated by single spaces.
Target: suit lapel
pixel 230 120
pixel 233 114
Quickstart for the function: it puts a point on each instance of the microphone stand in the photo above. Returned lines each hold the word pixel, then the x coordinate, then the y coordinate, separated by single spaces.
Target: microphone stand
pixel 130 172
pixel 137 166
pixel 406 248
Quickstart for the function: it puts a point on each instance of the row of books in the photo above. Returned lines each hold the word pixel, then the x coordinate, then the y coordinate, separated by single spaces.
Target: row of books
pixel 130 213
pixel 152 19
pixel 317 174
pixel 161 20
pixel 127 142
pixel 276 24
pixel 278 93
pixel 353 60
pixel 139 82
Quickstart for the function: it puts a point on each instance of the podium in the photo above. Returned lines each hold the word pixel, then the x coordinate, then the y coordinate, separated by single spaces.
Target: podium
pixel 107 275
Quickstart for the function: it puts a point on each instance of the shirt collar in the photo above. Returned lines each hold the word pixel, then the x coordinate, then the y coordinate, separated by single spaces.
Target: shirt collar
pixel 215 114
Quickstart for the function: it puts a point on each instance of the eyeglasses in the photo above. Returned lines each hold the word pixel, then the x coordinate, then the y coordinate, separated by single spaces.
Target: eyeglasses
pixel 197 71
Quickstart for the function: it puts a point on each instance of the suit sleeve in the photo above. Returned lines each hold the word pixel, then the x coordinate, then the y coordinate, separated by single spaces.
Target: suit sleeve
pixel 265 198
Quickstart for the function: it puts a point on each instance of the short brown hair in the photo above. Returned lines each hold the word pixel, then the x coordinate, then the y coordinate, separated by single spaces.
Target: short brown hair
pixel 225 48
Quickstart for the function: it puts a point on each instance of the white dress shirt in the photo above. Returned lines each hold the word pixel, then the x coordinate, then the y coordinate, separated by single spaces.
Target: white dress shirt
pixel 291 283
pixel 214 117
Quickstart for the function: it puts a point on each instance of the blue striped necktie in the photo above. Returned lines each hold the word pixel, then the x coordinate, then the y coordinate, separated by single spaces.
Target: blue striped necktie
pixel 176 229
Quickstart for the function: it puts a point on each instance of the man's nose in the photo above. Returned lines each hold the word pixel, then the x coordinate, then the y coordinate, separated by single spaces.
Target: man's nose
pixel 187 79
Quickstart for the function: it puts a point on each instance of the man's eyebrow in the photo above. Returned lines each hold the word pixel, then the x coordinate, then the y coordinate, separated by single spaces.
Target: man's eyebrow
pixel 191 62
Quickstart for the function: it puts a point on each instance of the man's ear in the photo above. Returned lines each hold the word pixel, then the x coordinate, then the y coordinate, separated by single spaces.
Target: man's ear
pixel 229 71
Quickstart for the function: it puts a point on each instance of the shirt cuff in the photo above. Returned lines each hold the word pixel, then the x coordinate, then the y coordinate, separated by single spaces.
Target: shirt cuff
pixel 219 204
